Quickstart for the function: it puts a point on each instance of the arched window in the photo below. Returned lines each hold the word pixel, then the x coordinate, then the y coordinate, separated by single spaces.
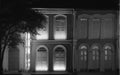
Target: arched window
pixel 60 27
pixel 43 32
pixel 83 52
pixel 42 58
pixel 59 58
pixel 108 51
pixel 95 52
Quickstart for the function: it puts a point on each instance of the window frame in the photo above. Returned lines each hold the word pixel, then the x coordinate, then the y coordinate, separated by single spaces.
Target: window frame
pixel 65 50
pixel 65 27
pixel 47 50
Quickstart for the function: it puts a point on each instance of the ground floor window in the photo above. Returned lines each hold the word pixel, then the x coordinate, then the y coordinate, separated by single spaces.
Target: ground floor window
pixel 42 59
pixel 59 58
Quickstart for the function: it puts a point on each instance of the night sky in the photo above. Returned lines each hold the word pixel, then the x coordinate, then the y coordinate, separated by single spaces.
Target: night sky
pixel 81 4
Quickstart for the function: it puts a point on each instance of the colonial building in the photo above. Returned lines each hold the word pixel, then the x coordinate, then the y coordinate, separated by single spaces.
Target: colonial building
pixel 71 41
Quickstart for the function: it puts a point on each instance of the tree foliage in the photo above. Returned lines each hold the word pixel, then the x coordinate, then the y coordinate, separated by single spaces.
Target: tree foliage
pixel 19 19
pixel 16 19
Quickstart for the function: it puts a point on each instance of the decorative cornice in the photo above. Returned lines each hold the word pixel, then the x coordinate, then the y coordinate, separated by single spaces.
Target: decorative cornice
pixel 54 10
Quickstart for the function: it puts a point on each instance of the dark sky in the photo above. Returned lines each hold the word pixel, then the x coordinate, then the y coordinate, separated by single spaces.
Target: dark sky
pixel 81 4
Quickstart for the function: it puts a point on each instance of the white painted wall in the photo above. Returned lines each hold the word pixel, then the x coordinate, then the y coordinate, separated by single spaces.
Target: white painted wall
pixel 5 60
pixel 21 57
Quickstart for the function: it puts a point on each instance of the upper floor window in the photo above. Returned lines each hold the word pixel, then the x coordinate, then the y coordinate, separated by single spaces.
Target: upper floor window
pixel 43 32
pixel 60 27
pixel 82 26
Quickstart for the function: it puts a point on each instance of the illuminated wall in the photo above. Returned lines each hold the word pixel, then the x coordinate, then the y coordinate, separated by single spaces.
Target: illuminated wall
pixel 43 33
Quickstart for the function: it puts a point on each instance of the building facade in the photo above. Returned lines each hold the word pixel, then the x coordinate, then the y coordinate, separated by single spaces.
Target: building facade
pixel 71 41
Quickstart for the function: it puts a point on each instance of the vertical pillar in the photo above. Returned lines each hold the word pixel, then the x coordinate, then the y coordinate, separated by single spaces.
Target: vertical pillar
pixel 119 39
pixel 51 33
pixel 27 51
pixel 74 43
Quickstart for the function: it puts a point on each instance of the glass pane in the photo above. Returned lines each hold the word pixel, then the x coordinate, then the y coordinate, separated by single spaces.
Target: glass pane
pixel 42 60
pixel 81 52
pixel 106 52
pixel 81 57
pixel 106 57
pixel 85 53
pixel 85 57
pixel 97 57
pixel 93 52
pixel 93 57
pixel 59 60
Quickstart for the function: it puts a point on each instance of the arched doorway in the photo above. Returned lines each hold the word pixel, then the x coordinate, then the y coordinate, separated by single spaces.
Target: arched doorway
pixel 59 58
pixel 13 59
pixel 42 58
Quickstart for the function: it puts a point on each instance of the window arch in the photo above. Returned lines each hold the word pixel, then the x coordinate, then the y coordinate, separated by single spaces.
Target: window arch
pixel 60 26
pixel 42 58
pixel 44 32
pixel 83 51
pixel 108 51
pixel 95 51
pixel 59 58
